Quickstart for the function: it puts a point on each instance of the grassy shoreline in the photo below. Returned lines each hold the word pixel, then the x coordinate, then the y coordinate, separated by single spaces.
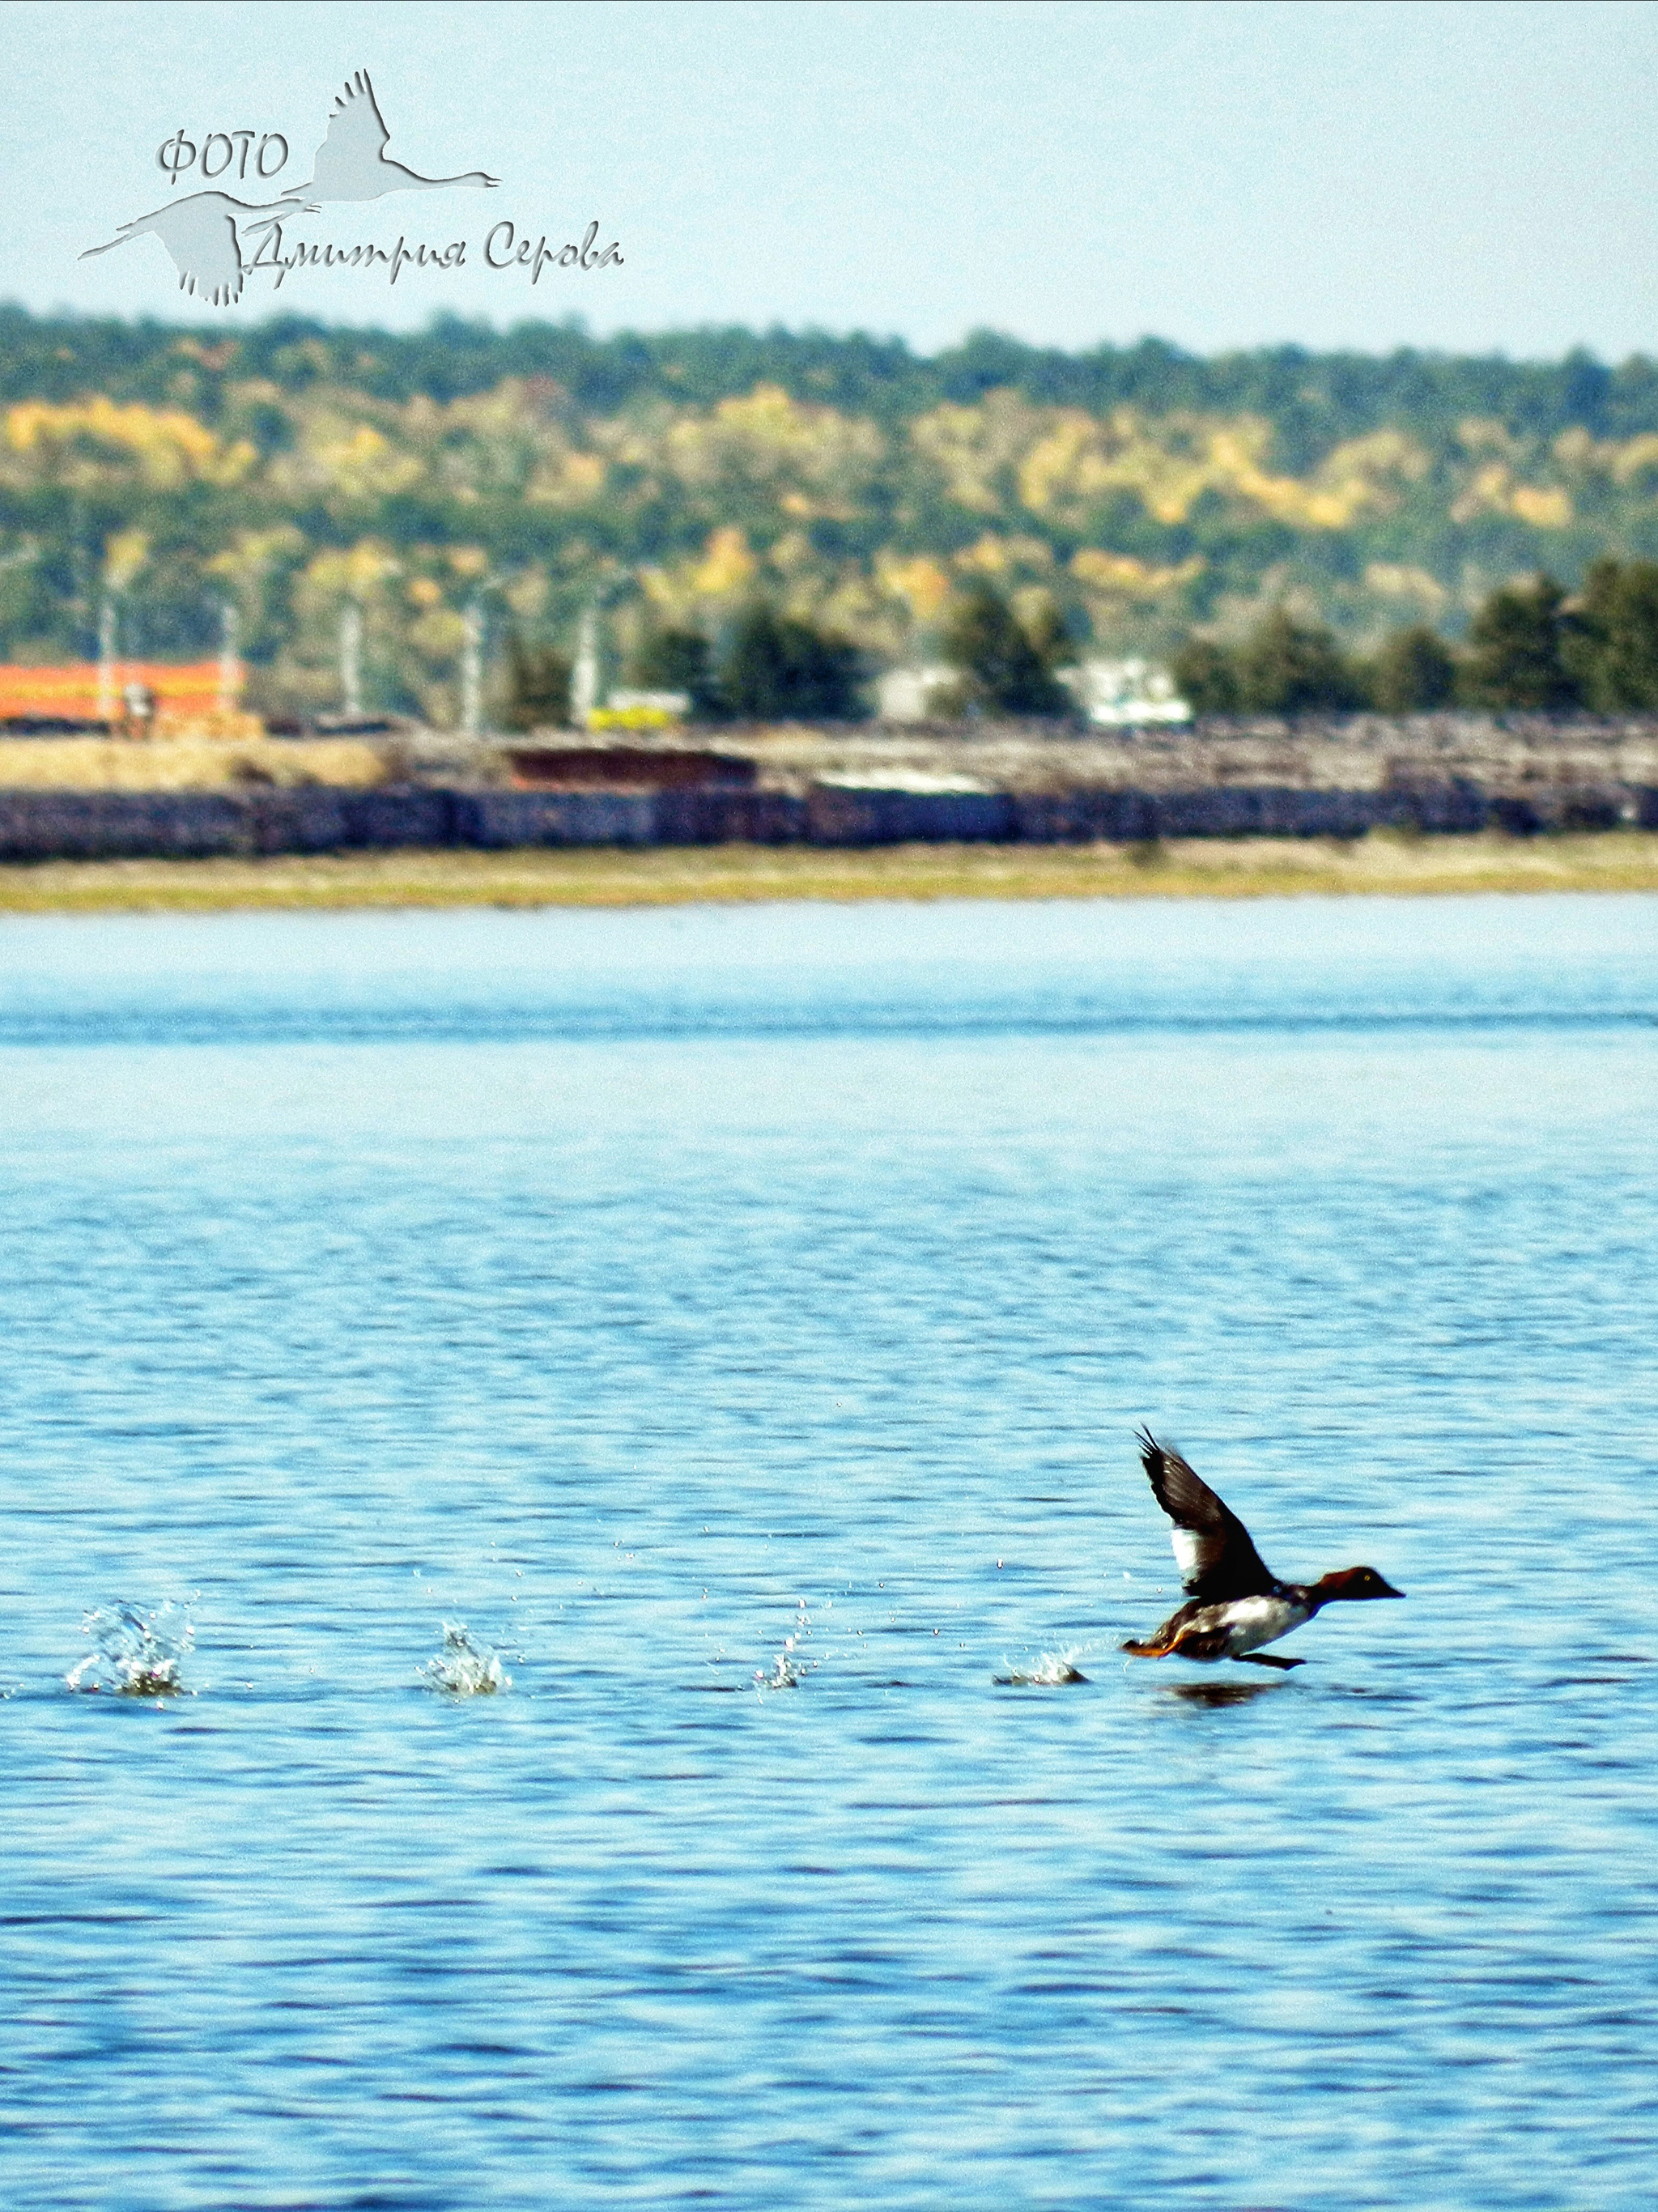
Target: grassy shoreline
pixel 1382 864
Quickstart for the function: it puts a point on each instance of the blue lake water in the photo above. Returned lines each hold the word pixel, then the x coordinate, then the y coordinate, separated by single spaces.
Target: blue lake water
pixel 644 1289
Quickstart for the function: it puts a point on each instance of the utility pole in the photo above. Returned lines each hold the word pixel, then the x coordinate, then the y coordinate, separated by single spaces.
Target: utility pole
pixel 471 673
pixel 584 680
pixel 351 658
pixel 106 658
pixel 230 667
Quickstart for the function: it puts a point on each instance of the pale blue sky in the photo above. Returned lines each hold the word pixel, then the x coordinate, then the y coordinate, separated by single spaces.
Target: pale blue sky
pixel 1472 176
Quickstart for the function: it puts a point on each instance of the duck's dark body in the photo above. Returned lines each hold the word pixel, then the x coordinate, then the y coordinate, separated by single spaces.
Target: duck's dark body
pixel 1235 1603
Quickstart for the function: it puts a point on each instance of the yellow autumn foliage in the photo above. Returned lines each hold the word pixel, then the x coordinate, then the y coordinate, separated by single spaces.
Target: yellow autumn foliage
pixel 437 632
pixel 251 553
pixel 978 450
pixel 124 554
pixel 681 590
pixel 565 478
pixel 995 556
pixel 359 573
pixel 919 582
pixel 360 462
pixel 1576 453
pixel 1546 506
pixel 1636 459
pixel 1477 435
pixel 698 504
pixel 728 566
pixel 1493 489
pixel 1168 462
pixel 85 441
pixel 1393 579
pixel 812 460
pixel 1120 575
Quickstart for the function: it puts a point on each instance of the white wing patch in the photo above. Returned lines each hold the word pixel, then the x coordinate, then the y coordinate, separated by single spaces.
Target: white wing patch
pixel 1253 1622
pixel 1187 1552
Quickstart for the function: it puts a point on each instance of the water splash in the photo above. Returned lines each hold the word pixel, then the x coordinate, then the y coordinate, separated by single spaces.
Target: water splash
pixel 791 1666
pixel 465 1668
pixel 1046 1673
pixel 135 1655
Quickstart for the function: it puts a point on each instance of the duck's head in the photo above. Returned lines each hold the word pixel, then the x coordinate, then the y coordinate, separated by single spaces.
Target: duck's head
pixel 1354 1582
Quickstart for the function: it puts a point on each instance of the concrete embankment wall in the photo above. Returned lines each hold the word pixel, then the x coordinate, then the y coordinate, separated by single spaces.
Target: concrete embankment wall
pixel 41 825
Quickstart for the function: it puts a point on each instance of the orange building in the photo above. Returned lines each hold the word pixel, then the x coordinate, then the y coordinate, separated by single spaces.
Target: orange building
pixel 84 691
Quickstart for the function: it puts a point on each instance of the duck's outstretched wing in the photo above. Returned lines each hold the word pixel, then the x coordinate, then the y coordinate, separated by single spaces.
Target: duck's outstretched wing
pixel 1212 1548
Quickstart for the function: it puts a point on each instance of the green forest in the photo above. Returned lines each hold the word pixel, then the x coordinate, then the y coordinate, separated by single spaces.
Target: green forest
pixel 730 498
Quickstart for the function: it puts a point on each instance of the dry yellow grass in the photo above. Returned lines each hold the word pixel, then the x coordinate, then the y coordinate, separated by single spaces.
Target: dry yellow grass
pixel 1382 864
pixel 183 764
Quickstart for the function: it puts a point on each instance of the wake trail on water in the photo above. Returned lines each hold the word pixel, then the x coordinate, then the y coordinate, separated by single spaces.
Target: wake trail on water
pixel 141 1654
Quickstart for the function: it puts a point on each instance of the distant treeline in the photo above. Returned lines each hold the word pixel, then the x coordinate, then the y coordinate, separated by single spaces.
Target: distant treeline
pixel 1530 645
pixel 773 667
pixel 353 510
pixel 1312 399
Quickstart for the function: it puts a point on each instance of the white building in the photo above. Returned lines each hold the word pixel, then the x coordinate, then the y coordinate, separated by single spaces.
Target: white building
pixel 1114 694
pixel 918 695
pixel 675 705
pixel 1120 694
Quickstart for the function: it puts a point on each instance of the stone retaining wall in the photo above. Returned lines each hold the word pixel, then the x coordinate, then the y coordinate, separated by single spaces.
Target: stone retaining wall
pixel 41 825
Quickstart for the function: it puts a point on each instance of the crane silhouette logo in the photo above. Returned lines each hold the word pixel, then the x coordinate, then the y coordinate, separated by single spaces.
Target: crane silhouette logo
pixel 205 233
pixel 351 163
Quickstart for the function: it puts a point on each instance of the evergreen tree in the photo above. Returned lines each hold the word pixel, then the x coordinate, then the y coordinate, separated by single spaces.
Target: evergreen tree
pixel 1290 667
pixel 1050 640
pixel 1004 667
pixel 1611 642
pixel 1518 648
pixel 1413 673
pixel 538 686
pixel 1206 677
pixel 678 660
pixel 781 670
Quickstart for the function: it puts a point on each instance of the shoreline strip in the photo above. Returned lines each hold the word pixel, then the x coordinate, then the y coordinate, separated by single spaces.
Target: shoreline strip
pixel 1385 864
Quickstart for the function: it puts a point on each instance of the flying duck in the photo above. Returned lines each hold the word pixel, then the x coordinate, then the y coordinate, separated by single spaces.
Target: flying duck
pixel 1235 1603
